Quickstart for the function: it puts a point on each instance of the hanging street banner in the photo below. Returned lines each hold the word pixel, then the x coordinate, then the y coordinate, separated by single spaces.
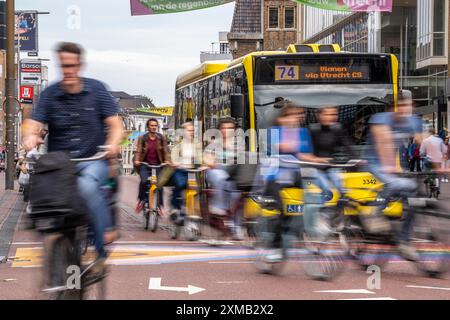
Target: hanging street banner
pixel 145 7
pixel 351 5
pixel 162 111
pixel 27 30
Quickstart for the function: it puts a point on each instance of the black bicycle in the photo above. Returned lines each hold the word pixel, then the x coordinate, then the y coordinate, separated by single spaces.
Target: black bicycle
pixel 432 185
pixel 69 272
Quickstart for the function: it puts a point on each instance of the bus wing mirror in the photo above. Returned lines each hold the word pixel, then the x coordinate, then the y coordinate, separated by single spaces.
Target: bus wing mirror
pixel 237 105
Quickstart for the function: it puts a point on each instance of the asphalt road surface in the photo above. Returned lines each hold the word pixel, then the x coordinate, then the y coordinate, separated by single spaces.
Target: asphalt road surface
pixel 146 265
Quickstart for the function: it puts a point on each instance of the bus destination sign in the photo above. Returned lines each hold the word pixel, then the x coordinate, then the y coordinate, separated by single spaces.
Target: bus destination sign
pixel 322 73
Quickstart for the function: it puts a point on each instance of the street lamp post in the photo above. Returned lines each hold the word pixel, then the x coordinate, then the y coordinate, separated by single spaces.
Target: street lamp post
pixel 10 96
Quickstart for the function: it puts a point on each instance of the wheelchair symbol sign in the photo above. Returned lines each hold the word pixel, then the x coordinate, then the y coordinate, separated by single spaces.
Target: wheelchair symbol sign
pixel 294 208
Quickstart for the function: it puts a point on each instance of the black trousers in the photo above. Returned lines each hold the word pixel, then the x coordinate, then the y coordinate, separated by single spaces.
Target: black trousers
pixel 415 163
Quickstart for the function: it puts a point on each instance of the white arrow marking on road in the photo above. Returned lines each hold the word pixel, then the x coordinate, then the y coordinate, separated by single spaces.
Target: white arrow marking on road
pixel 155 284
pixel 361 291
pixel 425 287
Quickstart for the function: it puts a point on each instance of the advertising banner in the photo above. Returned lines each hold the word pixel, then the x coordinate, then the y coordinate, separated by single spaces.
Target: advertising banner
pixel 351 5
pixel 163 111
pixel 27 30
pixel 26 94
pixel 30 73
pixel 145 7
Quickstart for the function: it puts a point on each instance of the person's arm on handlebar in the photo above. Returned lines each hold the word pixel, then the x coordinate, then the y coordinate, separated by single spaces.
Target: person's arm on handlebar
pixel 115 133
pixel 384 146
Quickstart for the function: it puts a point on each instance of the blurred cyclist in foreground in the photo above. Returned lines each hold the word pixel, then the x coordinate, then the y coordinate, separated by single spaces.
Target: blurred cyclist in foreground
pixel 185 154
pixel 292 142
pixel 81 115
pixel 221 157
pixel 388 130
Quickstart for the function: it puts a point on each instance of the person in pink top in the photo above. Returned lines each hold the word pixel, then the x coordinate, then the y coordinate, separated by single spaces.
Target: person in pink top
pixel 433 151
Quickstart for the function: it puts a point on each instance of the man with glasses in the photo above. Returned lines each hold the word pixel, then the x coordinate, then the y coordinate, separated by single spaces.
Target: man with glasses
pixel 81 115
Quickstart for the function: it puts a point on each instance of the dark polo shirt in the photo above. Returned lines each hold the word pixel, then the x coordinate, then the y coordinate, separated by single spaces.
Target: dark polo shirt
pixel 76 121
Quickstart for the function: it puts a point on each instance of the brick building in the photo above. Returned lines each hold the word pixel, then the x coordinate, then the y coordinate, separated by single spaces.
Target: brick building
pixel 263 25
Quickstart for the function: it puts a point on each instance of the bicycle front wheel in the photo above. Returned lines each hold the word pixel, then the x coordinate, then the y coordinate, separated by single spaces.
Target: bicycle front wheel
pixel 153 213
pixel 431 242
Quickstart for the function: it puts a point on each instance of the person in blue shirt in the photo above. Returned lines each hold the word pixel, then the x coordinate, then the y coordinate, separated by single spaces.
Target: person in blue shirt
pixel 81 116
pixel 388 131
pixel 288 140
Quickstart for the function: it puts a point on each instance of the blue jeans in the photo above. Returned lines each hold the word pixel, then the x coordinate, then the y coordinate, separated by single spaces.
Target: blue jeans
pixel 314 201
pixel 179 181
pixel 225 192
pixel 397 187
pixel 92 175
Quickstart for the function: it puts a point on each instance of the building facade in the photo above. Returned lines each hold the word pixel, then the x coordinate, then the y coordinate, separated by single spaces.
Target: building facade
pixel 219 50
pixel 416 31
pixel 264 25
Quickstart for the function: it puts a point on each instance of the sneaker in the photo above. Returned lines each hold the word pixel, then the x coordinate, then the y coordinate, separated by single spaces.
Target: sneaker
pixel 217 211
pixel 377 224
pixel 274 256
pixel 139 207
pixel 238 234
pixel 408 252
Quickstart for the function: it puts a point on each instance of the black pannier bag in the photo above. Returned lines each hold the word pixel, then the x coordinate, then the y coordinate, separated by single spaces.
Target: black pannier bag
pixel 54 197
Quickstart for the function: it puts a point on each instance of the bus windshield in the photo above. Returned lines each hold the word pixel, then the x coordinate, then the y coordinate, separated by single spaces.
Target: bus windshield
pixel 356 104
pixel 358 85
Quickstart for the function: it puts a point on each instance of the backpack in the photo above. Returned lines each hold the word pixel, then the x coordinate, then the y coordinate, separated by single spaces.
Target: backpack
pixel 54 197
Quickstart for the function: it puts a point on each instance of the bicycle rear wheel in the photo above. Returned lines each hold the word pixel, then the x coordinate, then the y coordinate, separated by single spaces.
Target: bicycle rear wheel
pixel 63 283
pixel 95 289
pixel 324 259
pixel 431 240
pixel 265 233
pixel 192 228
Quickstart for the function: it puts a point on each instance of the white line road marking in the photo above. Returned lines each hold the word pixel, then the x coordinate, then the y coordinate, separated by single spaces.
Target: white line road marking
pixel 155 284
pixel 355 291
pixel 425 287
pixel 229 262
pixel 119 242
pixel 380 298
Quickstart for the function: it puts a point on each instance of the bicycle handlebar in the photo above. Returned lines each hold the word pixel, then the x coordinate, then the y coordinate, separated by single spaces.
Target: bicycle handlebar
pixel 98 156
pixel 151 166
pixel 349 164
pixel 196 170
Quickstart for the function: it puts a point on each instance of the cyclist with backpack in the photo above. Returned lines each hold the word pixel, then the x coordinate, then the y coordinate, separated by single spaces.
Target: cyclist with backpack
pixel 81 116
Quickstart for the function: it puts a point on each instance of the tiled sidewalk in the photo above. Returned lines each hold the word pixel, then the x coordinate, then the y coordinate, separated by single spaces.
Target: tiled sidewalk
pixel 11 206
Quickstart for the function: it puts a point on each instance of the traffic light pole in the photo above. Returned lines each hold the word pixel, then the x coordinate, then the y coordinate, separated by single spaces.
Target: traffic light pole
pixel 10 96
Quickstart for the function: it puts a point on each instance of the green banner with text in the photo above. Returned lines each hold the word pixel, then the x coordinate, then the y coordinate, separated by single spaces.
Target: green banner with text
pixel 145 7
pixel 350 5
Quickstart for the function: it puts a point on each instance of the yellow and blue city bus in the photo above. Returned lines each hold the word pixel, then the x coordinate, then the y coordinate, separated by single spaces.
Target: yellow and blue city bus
pixel 251 88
